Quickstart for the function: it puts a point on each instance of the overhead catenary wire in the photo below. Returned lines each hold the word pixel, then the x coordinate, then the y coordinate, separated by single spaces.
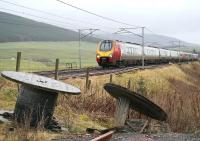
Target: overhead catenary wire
pixel 52 14
pixel 40 17
pixel 63 17
pixel 166 47
pixel 42 27
pixel 28 25
pixel 97 15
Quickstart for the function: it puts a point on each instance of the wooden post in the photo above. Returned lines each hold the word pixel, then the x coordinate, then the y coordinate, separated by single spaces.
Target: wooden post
pixel 87 78
pixel 128 87
pixel 89 83
pixel 110 78
pixel 71 65
pixel 56 69
pixel 122 106
pixel 18 61
pixel 129 84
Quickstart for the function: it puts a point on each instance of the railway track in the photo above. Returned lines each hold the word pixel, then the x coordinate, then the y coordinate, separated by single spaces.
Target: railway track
pixel 65 74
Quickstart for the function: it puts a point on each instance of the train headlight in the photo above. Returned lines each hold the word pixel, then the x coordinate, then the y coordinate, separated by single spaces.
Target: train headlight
pixel 110 55
pixel 98 56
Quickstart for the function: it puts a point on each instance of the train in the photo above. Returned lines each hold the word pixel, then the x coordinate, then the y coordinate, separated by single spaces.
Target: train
pixel 118 53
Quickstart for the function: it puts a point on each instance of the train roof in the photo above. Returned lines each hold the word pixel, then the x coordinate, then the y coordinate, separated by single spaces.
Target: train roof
pixel 149 46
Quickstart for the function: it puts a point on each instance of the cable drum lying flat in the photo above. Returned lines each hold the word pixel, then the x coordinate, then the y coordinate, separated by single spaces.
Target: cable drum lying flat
pixel 137 101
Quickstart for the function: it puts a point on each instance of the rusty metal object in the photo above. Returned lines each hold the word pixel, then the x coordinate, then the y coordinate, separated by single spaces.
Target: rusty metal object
pixel 37 99
pixel 104 137
pixel 137 101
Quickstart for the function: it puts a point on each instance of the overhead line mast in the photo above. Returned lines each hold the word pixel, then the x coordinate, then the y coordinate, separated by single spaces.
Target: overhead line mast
pixel 127 30
pixel 79 41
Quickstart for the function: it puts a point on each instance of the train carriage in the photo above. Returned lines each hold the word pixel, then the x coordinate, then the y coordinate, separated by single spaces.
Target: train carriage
pixel 116 53
pixel 164 55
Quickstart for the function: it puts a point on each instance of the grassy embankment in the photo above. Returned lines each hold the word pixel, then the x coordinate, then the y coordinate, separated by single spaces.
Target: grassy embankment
pixel 174 88
pixel 38 56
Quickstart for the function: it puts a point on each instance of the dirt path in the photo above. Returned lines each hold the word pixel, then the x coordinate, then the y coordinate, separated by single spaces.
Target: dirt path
pixel 143 137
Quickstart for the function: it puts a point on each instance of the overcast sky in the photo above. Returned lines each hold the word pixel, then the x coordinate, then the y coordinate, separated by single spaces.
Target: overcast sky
pixel 175 18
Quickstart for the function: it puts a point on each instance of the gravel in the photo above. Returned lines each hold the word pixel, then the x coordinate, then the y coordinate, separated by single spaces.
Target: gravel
pixel 142 137
pixel 155 137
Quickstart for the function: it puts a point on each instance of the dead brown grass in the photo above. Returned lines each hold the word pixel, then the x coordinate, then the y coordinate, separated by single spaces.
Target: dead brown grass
pixel 174 88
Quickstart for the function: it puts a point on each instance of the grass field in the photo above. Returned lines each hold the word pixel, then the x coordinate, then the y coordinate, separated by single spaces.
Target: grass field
pixel 42 55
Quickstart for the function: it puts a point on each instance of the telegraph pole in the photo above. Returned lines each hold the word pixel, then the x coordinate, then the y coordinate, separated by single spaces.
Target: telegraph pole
pixel 79 42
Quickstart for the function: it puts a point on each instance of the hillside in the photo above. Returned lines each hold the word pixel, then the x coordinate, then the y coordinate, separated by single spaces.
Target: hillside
pixel 18 29
pixel 42 55
pixel 154 40
pixel 15 28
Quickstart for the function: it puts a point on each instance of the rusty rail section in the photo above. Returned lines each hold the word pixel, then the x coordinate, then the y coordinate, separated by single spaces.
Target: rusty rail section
pixel 104 137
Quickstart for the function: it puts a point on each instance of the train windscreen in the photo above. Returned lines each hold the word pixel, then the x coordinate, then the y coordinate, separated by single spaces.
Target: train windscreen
pixel 106 46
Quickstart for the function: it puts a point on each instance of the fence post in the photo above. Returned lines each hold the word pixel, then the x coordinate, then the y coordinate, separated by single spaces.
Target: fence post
pixel 87 78
pixel 56 69
pixel 71 66
pixel 89 83
pixel 110 78
pixel 129 84
pixel 18 61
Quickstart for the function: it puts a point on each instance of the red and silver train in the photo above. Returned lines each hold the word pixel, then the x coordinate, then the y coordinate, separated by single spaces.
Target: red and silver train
pixel 117 53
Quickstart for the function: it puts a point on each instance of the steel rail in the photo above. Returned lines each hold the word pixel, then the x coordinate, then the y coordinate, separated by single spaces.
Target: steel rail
pixel 96 71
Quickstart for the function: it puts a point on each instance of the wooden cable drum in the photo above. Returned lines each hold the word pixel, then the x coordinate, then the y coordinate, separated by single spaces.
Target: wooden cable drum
pixel 136 101
pixel 37 97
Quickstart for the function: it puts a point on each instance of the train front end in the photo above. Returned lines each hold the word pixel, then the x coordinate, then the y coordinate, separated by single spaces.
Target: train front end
pixel 104 53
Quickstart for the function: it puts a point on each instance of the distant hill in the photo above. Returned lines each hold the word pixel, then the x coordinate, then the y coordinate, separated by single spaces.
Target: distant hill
pixel 15 28
pixel 154 40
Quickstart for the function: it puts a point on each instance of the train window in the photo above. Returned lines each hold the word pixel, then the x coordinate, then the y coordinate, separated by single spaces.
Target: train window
pixel 106 46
